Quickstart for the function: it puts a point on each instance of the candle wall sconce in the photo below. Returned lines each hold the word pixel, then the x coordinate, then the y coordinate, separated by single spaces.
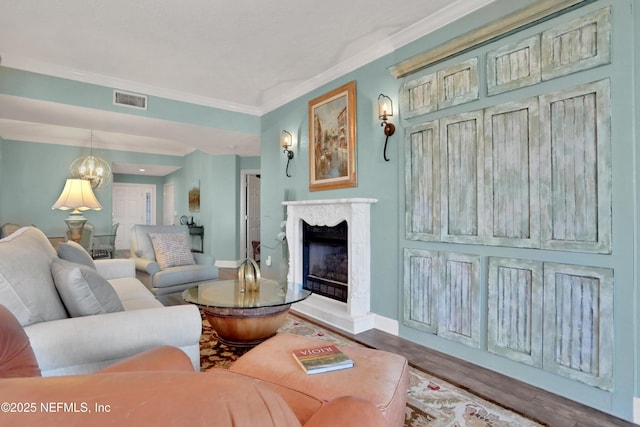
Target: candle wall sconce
pixel 286 140
pixel 385 110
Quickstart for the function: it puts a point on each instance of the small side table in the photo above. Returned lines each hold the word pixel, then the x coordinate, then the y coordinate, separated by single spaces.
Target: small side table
pixel 198 230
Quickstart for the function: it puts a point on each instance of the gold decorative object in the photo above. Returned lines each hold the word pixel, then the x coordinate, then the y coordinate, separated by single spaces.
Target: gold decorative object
pixel 249 276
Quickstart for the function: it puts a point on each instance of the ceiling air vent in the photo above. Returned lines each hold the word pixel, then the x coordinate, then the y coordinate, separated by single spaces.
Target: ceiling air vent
pixel 128 99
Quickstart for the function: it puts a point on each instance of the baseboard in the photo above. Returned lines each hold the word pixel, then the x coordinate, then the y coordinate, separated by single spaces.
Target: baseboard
pixel 385 324
pixel 334 313
pixel 636 410
pixel 228 264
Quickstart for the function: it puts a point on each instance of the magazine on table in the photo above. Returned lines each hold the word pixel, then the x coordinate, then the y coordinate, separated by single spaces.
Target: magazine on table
pixel 322 359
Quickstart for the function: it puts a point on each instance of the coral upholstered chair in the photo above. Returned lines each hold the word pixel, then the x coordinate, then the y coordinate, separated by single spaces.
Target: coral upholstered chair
pixel 16 356
pixel 157 387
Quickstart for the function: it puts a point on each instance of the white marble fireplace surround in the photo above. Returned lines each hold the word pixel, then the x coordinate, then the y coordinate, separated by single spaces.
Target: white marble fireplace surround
pixel 352 316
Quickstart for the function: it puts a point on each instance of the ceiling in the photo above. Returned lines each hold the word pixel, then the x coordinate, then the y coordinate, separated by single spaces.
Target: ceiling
pixel 242 56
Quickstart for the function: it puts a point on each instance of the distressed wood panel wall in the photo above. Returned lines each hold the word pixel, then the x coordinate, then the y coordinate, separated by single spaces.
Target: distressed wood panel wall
pixel 459 303
pixel 578 325
pixel 423 182
pixel 532 173
pixel 420 96
pixel 461 177
pixel 514 66
pixel 576 169
pixel 583 43
pixel 511 174
pixel 420 289
pixel 458 84
pixel 515 310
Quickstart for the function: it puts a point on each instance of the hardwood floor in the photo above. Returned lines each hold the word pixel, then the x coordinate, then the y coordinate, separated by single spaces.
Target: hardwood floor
pixel 532 402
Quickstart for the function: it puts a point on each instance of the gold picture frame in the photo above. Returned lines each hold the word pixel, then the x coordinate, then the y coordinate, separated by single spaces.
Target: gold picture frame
pixel 332 139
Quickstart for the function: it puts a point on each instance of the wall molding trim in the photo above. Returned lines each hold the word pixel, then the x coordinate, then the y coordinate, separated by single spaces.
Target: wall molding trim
pixel 539 12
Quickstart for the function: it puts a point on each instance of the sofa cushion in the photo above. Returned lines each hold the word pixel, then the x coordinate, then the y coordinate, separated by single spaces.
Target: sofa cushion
pixel 171 249
pixel 83 291
pixel 184 274
pixel 74 252
pixel 134 295
pixel 26 284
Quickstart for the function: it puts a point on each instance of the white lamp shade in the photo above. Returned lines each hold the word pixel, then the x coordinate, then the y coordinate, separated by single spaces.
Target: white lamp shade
pixel 77 195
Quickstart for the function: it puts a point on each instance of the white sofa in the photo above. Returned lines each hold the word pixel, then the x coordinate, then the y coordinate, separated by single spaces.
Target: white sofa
pixel 79 345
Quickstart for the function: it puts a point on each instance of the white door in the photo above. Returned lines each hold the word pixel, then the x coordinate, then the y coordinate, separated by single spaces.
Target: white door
pixel 132 204
pixel 168 207
pixel 253 214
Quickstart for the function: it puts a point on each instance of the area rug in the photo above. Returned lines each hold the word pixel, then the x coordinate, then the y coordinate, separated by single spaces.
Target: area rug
pixel 430 401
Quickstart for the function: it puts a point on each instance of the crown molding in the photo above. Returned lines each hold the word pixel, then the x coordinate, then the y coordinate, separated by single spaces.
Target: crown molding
pixel 54 70
pixel 538 12
pixel 443 17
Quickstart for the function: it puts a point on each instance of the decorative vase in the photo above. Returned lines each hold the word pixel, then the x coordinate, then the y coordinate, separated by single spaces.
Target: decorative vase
pixel 249 276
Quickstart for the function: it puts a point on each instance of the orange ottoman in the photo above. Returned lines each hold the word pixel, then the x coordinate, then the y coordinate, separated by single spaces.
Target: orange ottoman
pixel 377 376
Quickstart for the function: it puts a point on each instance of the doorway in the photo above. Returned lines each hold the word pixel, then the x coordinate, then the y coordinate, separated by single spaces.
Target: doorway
pixel 250 214
pixel 132 204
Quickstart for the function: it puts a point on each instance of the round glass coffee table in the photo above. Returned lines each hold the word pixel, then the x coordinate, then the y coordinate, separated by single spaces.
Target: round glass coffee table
pixel 245 319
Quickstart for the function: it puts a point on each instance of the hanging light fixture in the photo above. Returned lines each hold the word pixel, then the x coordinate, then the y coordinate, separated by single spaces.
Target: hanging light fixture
pixel 91 168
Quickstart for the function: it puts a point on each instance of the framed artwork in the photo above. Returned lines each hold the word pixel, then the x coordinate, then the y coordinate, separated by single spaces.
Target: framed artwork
pixel 194 197
pixel 332 139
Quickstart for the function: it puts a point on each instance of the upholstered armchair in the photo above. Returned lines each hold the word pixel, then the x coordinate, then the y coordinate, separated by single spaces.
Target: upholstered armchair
pixel 156 387
pixel 164 260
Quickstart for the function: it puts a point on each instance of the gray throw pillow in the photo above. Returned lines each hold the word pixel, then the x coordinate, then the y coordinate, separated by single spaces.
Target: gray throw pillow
pixel 74 252
pixel 82 290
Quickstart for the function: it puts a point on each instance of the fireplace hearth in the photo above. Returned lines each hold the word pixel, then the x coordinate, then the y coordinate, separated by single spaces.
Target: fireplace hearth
pixel 351 314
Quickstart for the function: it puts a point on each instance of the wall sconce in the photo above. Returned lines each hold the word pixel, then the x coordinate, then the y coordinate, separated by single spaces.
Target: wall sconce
pixel 286 140
pixel 385 110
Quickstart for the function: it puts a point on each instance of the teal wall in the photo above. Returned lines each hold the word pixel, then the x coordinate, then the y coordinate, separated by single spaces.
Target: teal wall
pixel 250 163
pixel 219 180
pixel 32 175
pixel 385 182
pixel 219 204
pixel 54 89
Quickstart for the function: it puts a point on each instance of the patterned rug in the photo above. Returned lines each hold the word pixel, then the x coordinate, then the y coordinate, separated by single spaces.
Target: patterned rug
pixel 430 401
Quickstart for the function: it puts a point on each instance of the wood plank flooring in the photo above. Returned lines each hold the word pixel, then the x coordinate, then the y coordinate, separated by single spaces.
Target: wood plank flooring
pixel 529 401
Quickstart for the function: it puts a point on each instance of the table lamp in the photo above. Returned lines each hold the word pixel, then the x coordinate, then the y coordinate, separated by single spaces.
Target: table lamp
pixel 77 195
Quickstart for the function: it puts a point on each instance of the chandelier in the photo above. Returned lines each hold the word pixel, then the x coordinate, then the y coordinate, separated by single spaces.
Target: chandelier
pixel 94 169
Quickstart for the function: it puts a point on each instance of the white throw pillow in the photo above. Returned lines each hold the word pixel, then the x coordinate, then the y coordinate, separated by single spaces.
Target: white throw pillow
pixel 82 290
pixel 26 284
pixel 171 249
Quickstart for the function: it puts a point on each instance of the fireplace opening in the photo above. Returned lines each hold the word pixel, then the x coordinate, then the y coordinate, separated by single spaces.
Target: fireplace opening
pixel 326 260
